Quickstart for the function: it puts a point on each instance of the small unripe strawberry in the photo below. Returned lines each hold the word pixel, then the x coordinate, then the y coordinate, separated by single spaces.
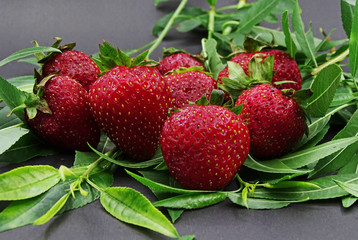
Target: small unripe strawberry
pixel 204 146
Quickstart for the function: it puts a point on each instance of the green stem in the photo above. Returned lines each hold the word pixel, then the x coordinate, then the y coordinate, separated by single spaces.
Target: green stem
pixel 334 60
pixel 211 23
pixel 90 168
pixel 94 185
pixel 167 28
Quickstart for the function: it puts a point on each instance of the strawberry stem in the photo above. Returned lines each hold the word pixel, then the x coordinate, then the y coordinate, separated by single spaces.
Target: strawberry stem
pixel 211 29
pixel 334 60
pixel 167 28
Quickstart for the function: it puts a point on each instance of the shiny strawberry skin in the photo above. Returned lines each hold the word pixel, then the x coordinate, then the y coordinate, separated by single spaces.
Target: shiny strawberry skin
pixel 276 122
pixel 286 68
pixel 176 61
pixel 204 146
pixel 130 104
pixel 74 64
pixel 71 125
pixel 189 86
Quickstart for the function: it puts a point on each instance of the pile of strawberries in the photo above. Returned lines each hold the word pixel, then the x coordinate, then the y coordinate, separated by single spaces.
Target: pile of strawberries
pixel 140 105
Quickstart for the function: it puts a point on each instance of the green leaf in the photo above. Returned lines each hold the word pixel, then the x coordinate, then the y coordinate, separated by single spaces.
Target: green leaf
pixel 271 167
pixel 162 187
pixel 27 147
pixel 9 136
pixel 290 44
pixel 324 88
pixel 348 201
pixel 12 97
pixel 192 201
pixel 130 164
pixel 27 182
pixel 7 121
pixel 132 207
pixel 256 203
pixel 213 62
pixel 27 52
pixel 23 83
pixel 53 210
pixel 23 212
pixel 308 156
pixel 353 44
pixel 302 38
pixel 188 25
pixel 350 167
pixel 328 189
pixel 350 188
pixel 256 14
pixel 342 157
pixel 347 14
pixel 84 158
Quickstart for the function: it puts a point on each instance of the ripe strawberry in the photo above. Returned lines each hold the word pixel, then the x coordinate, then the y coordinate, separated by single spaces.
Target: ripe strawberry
pixel 285 67
pixel 67 122
pixel 75 64
pixel 276 122
pixel 130 104
pixel 178 60
pixel 188 85
pixel 204 146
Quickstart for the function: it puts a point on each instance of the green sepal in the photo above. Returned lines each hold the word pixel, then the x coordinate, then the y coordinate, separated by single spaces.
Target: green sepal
pixel 217 97
pixel 43 58
pixel 302 96
pixel 237 109
pixel 202 101
pixel 252 45
pixel 261 70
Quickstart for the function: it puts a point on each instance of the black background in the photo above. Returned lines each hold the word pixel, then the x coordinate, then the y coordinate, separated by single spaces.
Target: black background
pixel 128 24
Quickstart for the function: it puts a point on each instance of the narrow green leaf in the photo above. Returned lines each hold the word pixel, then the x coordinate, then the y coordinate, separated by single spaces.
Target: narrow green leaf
pixel 5 120
pixel 307 156
pixel 301 36
pixel 324 88
pixel 256 14
pixel 162 187
pixel 347 14
pixel 84 158
pixel 350 188
pixel 132 207
pixel 9 136
pixel 350 167
pixel 23 83
pixel 27 182
pixel 53 210
pixel 342 157
pixel 192 201
pixel 23 212
pixel 188 25
pixel 348 201
pixel 290 44
pixel 256 203
pixel 271 167
pixel 27 52
pixel 328 189
pixel 353 44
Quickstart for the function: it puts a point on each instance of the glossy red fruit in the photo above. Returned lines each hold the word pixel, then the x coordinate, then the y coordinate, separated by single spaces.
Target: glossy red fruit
pixel 130 104
pixel 204 146
pixel 276 122
pixel 70 125
pixel 285 67
pixel 189 86
pixel 176 61
pixel 74 64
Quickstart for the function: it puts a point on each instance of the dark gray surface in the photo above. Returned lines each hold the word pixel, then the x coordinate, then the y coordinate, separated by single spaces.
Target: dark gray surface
pixel 127 24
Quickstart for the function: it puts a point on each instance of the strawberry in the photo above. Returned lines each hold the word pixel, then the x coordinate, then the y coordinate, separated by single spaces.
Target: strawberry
pixel 204 146
pixel 285 68
pixel 75 64
pixel 276 122
pixel 130 103
pixel 63 119
pixel 188 85
pixel 175 59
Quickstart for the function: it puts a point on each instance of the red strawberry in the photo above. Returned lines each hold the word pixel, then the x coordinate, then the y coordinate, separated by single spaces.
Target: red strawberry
pixel 178 60
pixel 188 86
pixel 130 104
pixel 285 67
pixel 276 122
pixel 204 146
pixel 70 124
pixel 74 64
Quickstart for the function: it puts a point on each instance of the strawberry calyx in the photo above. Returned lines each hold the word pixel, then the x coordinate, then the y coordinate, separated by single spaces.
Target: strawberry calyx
pixel 110 57
pixel 42 58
